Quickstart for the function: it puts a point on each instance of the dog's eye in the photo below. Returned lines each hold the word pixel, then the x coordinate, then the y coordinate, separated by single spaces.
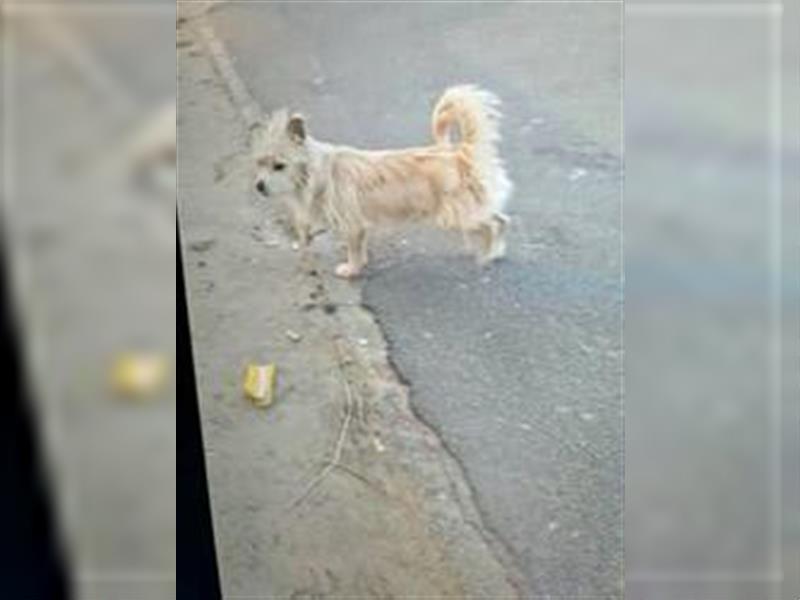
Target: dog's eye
pixel 278 166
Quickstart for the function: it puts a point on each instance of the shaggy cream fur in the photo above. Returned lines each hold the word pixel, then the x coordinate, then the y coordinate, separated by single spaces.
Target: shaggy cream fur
pixel 456 183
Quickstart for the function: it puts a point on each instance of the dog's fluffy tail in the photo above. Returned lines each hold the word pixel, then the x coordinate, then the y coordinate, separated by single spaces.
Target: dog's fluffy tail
pixel 474 111
pixel 476 115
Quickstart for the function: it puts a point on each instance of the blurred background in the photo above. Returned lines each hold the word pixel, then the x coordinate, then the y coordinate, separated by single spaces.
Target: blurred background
pixel 89 240
pixel 711 288
pixel 710 325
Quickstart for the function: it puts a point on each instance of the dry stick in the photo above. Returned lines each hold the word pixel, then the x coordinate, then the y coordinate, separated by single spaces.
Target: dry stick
pixel 359 401
pixel 362 478
pixel 358 404
pixel 337 450
pixel 359 411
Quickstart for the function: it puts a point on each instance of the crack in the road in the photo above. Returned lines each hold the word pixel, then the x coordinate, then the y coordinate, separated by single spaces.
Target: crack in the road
pixel 458 481
pixel 500 548
pixel 461 488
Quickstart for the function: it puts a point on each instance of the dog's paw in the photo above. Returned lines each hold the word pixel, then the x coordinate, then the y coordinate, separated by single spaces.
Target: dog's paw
pixel 347 271
pixel 499 251
pixel 495 254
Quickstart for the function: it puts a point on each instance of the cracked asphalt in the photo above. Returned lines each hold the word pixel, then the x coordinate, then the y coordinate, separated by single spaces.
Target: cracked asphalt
pixel 517 366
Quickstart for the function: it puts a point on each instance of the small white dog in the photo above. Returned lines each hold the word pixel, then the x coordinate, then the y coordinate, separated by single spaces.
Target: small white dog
pixel 456 183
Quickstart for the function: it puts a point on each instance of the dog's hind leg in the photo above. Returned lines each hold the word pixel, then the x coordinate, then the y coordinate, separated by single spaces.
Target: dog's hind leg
pixel 491 237
pixel 501 222
pixel 356 254
pixel 501 218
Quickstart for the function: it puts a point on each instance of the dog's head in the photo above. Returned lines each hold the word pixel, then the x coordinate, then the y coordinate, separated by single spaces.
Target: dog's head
pixel 281 154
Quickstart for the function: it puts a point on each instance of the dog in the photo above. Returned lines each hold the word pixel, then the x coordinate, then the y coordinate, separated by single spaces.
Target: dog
pixel 456 183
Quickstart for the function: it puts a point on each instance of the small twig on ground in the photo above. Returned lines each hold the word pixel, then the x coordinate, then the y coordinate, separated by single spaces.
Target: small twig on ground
pixel 358 405
pixel 337 449
pixel 362 478
pixel 359 411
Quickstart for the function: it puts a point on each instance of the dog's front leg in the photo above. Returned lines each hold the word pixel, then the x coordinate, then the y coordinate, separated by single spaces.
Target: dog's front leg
pixel 356 254
pixel 301 221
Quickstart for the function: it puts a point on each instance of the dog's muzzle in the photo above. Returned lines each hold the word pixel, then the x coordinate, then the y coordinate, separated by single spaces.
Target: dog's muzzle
pixel 261 187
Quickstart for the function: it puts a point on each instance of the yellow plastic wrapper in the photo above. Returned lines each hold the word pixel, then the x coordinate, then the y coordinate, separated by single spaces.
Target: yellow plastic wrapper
pixel 138 375
pixel 259 384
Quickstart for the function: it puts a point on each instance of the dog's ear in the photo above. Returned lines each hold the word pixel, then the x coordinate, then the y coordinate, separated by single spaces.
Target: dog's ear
pixel 296 128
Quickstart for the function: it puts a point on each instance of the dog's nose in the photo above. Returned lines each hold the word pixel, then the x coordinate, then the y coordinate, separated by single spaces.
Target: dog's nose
pixel 261 187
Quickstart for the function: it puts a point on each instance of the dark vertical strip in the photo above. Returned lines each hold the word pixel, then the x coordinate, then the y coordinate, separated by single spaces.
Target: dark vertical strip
pixel 198 577
pixel 31 561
